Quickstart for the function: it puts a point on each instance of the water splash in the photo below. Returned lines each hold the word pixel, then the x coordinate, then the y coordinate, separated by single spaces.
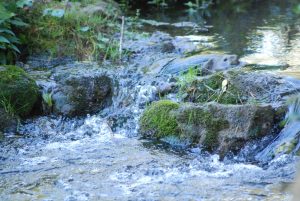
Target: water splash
pixel 288 140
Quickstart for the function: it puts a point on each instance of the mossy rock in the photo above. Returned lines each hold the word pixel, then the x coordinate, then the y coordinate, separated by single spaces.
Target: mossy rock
pixel 200 125
pixel 157 121
pixel 216 127
pixel 18 91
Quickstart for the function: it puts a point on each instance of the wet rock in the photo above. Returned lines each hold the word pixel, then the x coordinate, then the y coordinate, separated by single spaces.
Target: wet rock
pixel 241 87
pixel 18 91
pixel 7 121
pixel 288 140
pixel 193 44
pixel 216 127
pixel 264 87
pixel 224 128
pixel 77 89
pixel 206 64
pixel 148 49
pixel 38 62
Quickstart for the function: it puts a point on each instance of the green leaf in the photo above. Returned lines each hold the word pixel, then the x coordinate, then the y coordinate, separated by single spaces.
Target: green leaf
pixel 18 23
pixel 4 40
pixel 15 48
pixel 7 31
pixel 13 39
pixel 5 14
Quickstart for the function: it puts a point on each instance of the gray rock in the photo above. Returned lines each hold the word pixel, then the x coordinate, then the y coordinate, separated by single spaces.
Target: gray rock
pixel 242 87
pixel 262 86
pixel 206 64
pixel 224 128
pixel 77 89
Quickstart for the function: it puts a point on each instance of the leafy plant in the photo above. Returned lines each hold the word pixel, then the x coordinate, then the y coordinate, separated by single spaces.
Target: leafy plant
pixel 8 39
pixel 8 107
pixel 62 31
pixel 47 98
pixel 185 79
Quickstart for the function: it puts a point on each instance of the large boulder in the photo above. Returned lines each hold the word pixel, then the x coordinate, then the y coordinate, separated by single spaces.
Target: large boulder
pixel 224 128
pixel 216 127
pixel 18 91
pixel 76 89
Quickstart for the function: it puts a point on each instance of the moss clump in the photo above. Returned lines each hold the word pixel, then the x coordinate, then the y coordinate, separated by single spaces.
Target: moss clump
pixel 210 89
pixel 18 92
pixel 157 120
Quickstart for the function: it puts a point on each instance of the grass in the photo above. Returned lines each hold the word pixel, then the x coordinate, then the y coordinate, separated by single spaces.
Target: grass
pixel 47 98
pixel 186 79
pixel 87 36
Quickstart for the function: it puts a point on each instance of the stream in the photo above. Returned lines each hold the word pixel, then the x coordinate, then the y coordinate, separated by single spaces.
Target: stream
pixel 78 159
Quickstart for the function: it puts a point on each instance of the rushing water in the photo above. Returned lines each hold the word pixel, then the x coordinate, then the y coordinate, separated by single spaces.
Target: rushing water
pixel 53 158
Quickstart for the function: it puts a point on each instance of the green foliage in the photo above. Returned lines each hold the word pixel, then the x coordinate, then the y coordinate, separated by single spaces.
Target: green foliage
pixel 18 92
pixel 8 39
pixel 186 79
pixel 47 98
pixel 7 106
pixel 157 120
pixel 211 89
pixel 297 9
pixel 60 30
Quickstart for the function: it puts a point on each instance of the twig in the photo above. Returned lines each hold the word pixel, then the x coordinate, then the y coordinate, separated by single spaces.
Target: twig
pixel 121 38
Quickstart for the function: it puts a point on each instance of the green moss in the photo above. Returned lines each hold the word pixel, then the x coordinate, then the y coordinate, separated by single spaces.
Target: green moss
pixel 210 89
pixel 157 120
pixel 18 92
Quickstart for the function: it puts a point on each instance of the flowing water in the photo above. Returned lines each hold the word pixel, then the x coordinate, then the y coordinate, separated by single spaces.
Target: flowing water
pixel 54 158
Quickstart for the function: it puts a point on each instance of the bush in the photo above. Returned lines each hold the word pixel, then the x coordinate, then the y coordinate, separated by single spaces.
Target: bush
pixel 8 39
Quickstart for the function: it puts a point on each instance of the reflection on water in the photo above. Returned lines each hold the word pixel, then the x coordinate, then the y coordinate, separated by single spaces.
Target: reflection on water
pixel 264 33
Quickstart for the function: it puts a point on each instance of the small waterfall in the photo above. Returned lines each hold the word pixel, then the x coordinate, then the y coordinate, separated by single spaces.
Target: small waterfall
pixel 288 140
